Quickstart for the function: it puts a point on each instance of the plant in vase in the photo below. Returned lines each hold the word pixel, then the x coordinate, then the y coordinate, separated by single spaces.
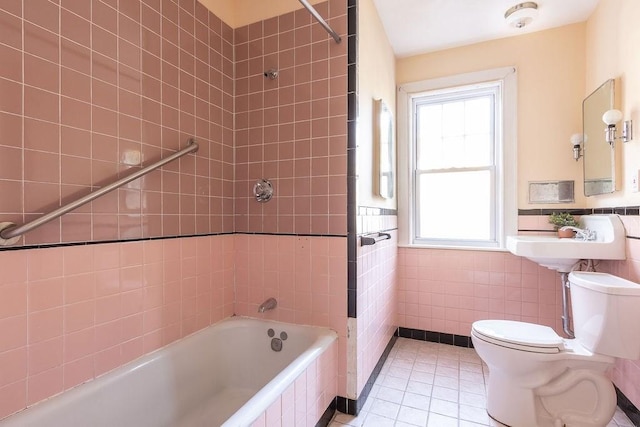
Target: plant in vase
pixel 562 219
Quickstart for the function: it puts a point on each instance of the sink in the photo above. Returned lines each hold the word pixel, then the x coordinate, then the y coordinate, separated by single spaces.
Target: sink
pixel 561 254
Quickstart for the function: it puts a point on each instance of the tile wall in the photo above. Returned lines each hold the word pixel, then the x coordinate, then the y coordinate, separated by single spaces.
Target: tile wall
pixel 376 305
pixel 306 275
pixel 292 130
pixel 447 290
pixel 90 89
pixel 70 314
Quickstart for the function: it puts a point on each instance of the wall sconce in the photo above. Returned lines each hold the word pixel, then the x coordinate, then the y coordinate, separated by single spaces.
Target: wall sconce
pixel 576 143
pixel 612 117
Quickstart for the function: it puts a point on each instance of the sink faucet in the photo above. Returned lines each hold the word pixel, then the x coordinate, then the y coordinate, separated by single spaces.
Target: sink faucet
pixel 581 234
pixel 269 304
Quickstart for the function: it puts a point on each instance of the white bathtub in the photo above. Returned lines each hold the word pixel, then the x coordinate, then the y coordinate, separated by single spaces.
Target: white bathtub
pixel 225 375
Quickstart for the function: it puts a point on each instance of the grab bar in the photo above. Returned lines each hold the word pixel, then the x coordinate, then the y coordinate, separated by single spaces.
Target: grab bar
pixel 321 21
pixel 10 233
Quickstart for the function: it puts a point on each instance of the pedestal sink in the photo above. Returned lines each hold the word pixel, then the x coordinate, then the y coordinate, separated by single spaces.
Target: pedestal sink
pixel 561 254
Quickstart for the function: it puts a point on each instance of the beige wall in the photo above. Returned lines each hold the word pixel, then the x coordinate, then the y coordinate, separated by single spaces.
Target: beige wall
pixel 237 13
pixel 376 80
pixel 612 37
pixel 551 69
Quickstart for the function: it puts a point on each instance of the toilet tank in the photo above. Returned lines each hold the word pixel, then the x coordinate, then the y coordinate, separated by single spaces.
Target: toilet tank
pixel 606 313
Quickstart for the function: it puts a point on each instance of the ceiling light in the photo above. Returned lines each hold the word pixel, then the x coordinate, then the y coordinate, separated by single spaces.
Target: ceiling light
pixel 521 14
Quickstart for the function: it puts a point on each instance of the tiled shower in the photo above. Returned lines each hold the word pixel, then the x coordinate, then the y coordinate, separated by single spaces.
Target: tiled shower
pixel 93 89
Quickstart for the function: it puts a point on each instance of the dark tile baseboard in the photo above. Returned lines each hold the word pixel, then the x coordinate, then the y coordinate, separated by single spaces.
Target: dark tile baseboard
pixel 628 408
pixel 439 337
pixel 326 417
pixel 353 407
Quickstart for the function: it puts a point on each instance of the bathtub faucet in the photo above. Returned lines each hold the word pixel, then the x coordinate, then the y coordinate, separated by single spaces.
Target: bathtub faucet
pixel 269 304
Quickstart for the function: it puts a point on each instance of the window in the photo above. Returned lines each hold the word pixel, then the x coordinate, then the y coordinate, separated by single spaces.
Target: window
pixel 459 154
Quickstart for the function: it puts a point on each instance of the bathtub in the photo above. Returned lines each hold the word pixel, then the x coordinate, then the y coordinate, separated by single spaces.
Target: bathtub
pixel 224 375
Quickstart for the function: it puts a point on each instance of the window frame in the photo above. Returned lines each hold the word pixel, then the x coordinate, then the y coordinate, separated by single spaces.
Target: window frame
pixel 505 155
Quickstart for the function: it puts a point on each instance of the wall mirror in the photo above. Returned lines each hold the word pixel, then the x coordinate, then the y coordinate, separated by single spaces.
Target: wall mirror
pixel 599 156
pixel 384 158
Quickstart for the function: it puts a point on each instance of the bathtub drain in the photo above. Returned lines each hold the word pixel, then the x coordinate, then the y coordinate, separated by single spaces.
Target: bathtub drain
pixel 276 344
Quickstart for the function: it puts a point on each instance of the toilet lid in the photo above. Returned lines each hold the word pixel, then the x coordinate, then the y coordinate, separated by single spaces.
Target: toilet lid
pixel 519 335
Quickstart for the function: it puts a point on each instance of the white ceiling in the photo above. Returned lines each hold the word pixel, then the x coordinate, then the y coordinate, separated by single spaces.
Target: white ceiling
pixel 420 26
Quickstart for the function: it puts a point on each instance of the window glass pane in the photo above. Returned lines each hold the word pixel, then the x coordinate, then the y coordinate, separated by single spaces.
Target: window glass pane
pixel 477 150
pixel 455 134
pixel 478 116
pixel 429 135
pixel 455 205
pixel 452 114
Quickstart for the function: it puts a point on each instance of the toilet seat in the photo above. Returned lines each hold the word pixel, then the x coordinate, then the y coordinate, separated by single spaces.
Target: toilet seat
pixel 519 336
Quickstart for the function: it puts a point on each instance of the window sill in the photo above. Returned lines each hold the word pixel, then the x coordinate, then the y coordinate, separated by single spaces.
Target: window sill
pixel 457 248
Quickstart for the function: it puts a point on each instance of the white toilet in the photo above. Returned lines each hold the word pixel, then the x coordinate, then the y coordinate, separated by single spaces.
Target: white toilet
pixel 539 379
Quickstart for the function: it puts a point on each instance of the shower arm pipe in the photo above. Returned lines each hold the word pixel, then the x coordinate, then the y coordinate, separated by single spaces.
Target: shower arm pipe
pixel 9 232
pixel 321 21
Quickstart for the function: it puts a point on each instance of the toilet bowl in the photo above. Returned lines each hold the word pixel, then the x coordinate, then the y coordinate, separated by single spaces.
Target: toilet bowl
pixel 539 379
pixel 534 374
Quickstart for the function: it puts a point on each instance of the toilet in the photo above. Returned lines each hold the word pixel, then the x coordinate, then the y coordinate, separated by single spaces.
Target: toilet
pixel 539 379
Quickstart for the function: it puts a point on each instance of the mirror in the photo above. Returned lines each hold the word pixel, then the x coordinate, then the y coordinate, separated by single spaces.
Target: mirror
pixel 384 149
pixel 599 162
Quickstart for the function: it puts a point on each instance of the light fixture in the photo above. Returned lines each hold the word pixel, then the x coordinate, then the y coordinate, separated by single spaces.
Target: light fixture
pixel 576 142
pixel 611 117
pixel 521 14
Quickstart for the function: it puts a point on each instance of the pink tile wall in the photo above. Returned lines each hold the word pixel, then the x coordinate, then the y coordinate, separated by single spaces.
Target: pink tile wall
pixel 306 275
pixel 89 89
pixel 377 304
pixel 70 314
pixel 626 374
pixel 292 130
pixel 447 290
pixel 304 402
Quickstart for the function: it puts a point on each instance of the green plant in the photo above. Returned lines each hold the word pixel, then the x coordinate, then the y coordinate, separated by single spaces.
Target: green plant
pixel 562 219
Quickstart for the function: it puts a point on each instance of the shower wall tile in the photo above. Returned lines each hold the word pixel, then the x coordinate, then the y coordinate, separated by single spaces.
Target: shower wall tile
pixel 93 90
pixel 69 314
pixel 129 82
pixel 306 275
pixel 291 130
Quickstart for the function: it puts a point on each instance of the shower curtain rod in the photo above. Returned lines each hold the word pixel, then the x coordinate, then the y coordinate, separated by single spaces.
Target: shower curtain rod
pixel 321 21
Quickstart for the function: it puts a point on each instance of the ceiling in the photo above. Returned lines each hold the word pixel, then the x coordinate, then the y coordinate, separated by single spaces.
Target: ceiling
pixel 421 26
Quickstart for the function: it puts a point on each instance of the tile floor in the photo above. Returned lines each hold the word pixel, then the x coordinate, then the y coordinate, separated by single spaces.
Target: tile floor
pixel 432 385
